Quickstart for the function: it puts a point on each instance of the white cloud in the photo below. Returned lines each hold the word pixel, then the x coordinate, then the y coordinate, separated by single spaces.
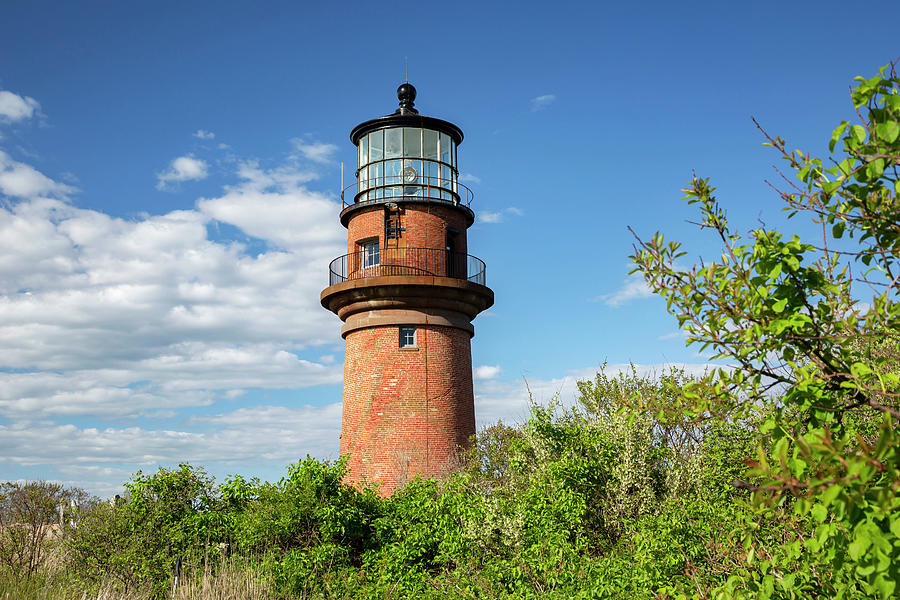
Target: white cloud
pixel 633 288
pixel 183 168
pixel 488 216
pixel 17 108
pixel 469 178
pixel 510 400
pixel 110 319
pixel 542 102
pixel 673 335
pixel 274 205
pixel 243 436
pixel 202 134
pixel 24 181
pixel 100 459
pixel 487 372
pixel 317 152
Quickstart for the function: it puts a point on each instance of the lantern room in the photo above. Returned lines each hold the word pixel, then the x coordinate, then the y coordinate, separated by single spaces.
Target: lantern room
pixel 406 156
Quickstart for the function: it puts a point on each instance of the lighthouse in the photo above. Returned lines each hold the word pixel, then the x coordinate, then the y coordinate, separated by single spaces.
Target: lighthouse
pixel 407 291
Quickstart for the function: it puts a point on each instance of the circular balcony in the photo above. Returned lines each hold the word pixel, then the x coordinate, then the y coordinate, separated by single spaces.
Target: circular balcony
pixel 391 188
pixel 433 262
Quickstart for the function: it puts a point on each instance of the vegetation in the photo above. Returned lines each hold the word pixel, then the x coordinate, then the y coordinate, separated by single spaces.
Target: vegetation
pixel 775 477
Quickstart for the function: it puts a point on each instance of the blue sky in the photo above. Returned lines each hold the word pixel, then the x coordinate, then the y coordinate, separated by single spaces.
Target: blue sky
pixel 169 177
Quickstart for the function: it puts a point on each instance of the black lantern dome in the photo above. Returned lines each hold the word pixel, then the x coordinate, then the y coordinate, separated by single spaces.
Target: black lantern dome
pixel 406 157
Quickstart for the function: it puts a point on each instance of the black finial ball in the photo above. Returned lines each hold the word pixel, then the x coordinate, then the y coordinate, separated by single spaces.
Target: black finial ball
pixel 406 93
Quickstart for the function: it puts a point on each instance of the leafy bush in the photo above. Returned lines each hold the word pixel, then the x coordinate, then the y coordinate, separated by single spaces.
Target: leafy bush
pixel 168 514
pixel 787 312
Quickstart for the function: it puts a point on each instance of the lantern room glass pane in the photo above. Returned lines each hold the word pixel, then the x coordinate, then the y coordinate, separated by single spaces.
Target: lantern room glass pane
pixel 431 173
pixel 376 145
pixel 363 150
pixel 445 148
pixel 430 144
pixel 392 171
pixel 445 177
pixel 393 143
pixel 376 174
pixel 412 142
pixel 363 179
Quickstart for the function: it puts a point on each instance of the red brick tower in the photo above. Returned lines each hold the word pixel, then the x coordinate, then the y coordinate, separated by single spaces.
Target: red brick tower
pixel 407 292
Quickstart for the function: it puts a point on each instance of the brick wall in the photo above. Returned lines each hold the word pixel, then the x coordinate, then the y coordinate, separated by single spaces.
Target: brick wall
pixel 418 220
pixel 406 411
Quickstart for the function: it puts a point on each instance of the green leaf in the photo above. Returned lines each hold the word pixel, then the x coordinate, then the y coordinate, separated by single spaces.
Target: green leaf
pixel 875 168
pixel 858 132
pixel 836 135
pixel 779 306
pixel 838 230
pixel 895 525
pixel 819 513
pixel 830 494
pixel 860 370
pixel 888 131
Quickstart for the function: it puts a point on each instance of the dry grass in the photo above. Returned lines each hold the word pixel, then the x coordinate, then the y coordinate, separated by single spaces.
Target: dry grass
pixel 232 580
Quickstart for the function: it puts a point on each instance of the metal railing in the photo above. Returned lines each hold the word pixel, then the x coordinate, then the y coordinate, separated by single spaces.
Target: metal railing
pixel 390 188
pixel 435 262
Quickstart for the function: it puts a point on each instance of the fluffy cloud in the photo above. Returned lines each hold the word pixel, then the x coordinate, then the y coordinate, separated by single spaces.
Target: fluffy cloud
pixel 24 181
pixel 318 152
pixel 183 168
pixel 633 288
pixel 202 134
pixel 17 108
pixel 542 102
pixel 488 216
pixel 487 372
pixel 102 458
pixel 510 400
pixel 265 204
pixel 132 322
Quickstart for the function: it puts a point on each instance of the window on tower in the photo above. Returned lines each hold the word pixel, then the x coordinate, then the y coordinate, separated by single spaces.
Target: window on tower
pixel 369 253
pixel 407 337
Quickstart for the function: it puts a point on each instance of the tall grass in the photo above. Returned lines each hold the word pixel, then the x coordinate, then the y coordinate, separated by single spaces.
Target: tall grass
pixel 233 579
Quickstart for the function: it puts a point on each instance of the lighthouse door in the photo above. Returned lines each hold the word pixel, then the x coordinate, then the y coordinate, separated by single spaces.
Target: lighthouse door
pixel 452 267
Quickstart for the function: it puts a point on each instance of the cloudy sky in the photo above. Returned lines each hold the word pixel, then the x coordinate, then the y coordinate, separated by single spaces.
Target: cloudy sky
pixel 169 192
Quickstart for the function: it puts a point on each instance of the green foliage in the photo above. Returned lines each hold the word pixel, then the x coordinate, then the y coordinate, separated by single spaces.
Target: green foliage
pixel 136 543
pixel 788 314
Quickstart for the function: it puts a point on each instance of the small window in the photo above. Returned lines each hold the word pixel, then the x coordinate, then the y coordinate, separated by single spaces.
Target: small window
pixel 407 337
pixel 369 253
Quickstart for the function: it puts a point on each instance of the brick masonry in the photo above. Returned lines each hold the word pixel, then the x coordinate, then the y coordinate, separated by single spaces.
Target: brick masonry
pixel 406 411
pixel 425 226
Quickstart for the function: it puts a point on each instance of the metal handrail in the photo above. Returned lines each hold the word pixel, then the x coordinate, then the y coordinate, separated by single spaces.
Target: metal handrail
pixel 428 188
pixel 436 262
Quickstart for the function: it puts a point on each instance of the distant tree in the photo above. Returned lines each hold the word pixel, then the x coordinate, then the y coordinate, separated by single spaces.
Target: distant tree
pixel 812 329
pixel 29 515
